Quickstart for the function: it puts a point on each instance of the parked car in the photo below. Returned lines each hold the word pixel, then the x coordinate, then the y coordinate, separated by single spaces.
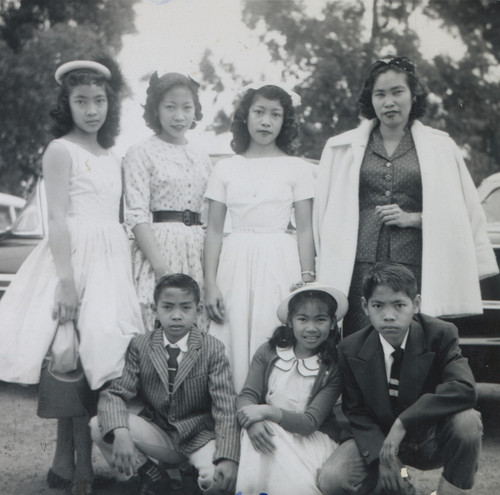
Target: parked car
pixel 479 335
pixel 10 206
pixel 28 229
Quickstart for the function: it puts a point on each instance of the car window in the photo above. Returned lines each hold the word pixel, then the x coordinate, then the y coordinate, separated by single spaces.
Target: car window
pixel 28 221
pixel 5 220
pixel 491 206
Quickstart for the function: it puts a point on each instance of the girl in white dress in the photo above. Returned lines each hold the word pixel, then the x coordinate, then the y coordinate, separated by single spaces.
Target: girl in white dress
pixel 286 405
pixel 249 272
pixel 165 178
pixel 81 272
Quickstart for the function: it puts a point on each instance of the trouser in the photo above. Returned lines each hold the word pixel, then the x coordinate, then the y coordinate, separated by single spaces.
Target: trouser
pixel 153 442
pixel 454 444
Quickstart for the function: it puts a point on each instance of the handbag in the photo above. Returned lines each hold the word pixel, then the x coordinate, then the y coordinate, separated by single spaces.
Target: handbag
pixel 63 390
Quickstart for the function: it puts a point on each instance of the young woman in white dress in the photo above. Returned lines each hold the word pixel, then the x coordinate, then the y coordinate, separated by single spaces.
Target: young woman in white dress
pixel 285 407
pixel 249 272
pixel 81 271
pixel 165 179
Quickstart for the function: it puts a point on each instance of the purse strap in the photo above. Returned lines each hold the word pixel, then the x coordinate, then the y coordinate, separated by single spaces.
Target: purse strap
pixel 55 333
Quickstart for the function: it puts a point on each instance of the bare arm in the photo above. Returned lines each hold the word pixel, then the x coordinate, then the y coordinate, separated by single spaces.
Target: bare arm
pixel 56 170
pixel 305 240
pixel 211 253
pixel 148 244
pixel 137 181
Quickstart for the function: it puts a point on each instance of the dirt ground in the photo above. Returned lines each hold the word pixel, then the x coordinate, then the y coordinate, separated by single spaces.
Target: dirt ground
pixel 27 445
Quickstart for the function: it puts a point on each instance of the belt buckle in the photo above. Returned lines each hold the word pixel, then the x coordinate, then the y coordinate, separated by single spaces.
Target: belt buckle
pixel 188 217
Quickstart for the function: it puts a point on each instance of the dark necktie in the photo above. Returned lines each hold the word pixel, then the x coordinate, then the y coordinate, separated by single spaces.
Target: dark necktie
pixel 394 379
pixel 173 364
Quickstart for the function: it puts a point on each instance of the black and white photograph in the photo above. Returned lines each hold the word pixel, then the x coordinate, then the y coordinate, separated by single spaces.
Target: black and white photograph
pixel 249 247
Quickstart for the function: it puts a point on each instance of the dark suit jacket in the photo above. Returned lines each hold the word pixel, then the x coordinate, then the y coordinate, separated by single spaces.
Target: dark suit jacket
pixel 435 381
pixel 201 406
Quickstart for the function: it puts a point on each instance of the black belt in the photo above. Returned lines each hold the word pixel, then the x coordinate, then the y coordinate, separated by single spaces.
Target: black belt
pixel 187 217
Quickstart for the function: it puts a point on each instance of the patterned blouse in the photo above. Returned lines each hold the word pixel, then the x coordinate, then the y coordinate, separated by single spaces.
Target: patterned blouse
pixel 163 176
pixel 388 180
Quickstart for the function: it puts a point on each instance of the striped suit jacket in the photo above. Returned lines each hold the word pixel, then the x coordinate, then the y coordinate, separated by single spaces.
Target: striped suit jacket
pixel 201 406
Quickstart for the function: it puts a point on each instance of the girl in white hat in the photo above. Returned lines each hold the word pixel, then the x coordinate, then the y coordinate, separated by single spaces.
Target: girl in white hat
pixel 285 407
pixel 81 272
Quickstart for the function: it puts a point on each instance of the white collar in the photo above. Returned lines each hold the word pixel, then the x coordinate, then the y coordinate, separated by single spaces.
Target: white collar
pixel 388 348
pixel 287 360
pixel 182 344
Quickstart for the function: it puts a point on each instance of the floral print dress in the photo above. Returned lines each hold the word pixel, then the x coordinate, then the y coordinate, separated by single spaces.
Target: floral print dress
pixel 163 176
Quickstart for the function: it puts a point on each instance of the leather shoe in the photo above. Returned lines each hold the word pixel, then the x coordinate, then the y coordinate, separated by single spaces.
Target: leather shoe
pixel 148 488
pixel 57 482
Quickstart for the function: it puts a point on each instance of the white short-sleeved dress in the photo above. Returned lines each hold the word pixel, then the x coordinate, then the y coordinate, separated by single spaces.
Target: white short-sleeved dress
pixel 162 176
pixel 294 466
pixel 109 314
pixel 259 260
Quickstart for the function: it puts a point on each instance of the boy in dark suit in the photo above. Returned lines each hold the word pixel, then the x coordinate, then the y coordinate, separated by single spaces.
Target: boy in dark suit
pixel 183 377
pixel 408 394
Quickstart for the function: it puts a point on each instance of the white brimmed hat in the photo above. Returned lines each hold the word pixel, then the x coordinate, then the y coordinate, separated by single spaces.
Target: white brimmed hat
pixel 81 64
pixel 338 295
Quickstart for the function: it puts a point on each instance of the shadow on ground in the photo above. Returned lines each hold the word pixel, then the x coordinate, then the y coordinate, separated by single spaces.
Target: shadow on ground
pixel 27 446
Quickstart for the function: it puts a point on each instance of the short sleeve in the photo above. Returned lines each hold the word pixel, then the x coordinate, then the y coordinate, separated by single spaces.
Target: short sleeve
pixel 303 186
pixel 137 187
pixel 216 188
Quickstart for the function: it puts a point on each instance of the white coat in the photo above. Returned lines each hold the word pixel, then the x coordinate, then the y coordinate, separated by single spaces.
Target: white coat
pixel 456 250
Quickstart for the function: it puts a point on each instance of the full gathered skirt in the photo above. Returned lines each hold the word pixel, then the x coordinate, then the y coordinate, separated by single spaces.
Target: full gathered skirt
pixel 256 271
pixel 292 468
pixel 108 314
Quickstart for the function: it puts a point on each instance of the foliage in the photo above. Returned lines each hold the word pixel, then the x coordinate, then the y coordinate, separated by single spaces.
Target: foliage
pixel 328 54
pixel 36 36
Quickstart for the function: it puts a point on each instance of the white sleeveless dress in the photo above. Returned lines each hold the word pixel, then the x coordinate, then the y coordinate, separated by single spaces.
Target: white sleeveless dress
pixel 109 314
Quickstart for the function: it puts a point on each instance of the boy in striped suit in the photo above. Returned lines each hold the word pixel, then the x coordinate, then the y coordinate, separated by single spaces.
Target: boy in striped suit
pixel 184 380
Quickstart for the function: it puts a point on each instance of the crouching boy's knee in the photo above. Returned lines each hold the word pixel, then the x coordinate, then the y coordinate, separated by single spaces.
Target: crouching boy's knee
pixel 466 426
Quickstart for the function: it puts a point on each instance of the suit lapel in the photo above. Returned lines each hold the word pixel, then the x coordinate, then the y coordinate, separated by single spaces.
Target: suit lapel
pixel 415 368
pixel 189 360
pixel 369 370
pixel 159 356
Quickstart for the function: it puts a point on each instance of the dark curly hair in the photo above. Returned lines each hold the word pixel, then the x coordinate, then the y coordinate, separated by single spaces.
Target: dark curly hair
pixel 61 112
pixel 289 130
pixel 404 66
pixel 157 88
pixel 283 336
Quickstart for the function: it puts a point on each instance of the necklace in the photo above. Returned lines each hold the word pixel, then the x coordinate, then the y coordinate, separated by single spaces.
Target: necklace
pixel 263 169
pixel 264 155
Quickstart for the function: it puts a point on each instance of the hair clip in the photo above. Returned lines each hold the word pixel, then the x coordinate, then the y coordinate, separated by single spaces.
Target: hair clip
pixel 176 73
pixel 403 63
pixel 296 100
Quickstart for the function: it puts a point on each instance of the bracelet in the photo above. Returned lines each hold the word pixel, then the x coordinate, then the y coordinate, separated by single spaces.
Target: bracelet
pixel 308 272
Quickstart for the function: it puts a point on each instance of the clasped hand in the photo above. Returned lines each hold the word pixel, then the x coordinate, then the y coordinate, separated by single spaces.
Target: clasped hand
pixel 393 215
pixel 250 414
